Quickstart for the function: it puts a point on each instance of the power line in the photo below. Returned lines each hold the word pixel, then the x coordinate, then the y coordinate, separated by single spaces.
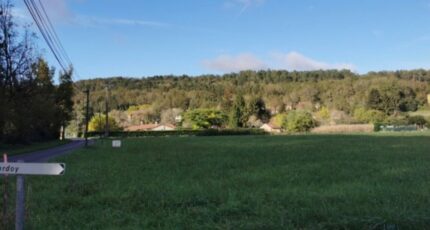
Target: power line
pixel 49 34
pixel 54 33
pixel 43 32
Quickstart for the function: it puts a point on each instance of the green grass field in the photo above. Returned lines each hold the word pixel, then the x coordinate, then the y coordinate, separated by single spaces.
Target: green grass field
pixel 248 182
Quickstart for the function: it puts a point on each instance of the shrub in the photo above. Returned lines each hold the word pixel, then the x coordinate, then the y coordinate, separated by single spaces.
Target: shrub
pixel 369 116
pixel 205 118
pixel 417 120
pixel 396 121
pixel 377 126
pixel 299 121
pixel 279 119
pixel 324 113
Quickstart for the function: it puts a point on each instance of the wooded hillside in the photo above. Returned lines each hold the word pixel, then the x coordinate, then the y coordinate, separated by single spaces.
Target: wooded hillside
pixel 389 92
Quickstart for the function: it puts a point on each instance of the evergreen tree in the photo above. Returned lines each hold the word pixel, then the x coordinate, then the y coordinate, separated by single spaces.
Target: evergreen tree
pixel 374 99
pixel 238 115
pixel 257 107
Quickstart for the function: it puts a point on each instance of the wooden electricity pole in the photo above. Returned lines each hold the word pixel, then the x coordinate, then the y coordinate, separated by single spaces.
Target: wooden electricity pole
pixel 107 112
pixel 87 114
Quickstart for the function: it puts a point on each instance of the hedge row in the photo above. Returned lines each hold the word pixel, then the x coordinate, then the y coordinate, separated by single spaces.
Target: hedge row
pixel 207 132
pixel 394 128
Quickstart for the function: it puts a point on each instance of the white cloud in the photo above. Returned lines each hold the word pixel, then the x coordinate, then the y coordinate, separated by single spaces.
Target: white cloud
pixel 227 63
pixel 299 62
pixel 289 61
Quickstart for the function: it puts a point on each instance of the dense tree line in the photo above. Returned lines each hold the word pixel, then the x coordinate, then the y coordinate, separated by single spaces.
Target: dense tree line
pixel 250 96
pixel 33 108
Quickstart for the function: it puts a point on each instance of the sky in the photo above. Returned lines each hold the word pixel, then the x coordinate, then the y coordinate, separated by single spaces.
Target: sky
pixel 137 38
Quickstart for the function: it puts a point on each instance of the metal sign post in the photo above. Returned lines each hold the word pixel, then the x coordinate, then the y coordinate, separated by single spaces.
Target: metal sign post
pixel 20 203
pixel 5 194
pixel 21 169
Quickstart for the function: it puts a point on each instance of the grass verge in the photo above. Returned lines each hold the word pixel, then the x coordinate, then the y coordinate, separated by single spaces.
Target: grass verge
pixel 248 182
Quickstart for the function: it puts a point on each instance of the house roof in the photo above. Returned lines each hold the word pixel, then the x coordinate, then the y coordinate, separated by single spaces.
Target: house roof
pixel 146 127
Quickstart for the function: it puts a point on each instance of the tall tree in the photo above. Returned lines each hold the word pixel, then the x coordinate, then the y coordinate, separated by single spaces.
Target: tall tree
pixel 64 100
pixel 238 115
pixel 257 107
pixel 42 120
pixel 16 58
pixel 374 99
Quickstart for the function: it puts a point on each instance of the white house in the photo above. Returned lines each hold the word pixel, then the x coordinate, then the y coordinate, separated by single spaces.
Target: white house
pixel 150 127
pixel 270 128
pixel 167 127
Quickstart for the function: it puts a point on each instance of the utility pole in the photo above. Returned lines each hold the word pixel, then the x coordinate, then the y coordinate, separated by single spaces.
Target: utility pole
pixel 107 111
pixel 87 114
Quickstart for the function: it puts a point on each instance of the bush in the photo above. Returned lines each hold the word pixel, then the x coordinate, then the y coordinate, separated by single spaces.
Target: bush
pixel 377 126
pixel 205 118
pixel 420 121
pixel 324 113
pixel 299 121
pixel 279 119
pixel 396 121
pixel 369 116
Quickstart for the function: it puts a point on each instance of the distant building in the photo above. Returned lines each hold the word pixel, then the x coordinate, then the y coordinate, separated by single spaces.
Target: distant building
pixel 270 128
pixel 167 127
pixel 150 127
pixel 178 119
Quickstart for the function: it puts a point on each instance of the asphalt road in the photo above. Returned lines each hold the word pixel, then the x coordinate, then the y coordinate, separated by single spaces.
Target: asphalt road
pixel 45 155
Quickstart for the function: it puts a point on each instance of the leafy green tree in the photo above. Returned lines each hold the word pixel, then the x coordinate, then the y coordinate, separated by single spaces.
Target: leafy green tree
pixel 408 100
pixel 279 119
pixel 205 118
pixel 299 121
pixel 45 123
pixel 374 100
pixel 369 116
pixel 98 123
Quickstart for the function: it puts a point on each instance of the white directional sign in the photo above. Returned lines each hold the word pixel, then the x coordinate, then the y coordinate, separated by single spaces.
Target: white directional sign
pixel 32 168
pixel 116 143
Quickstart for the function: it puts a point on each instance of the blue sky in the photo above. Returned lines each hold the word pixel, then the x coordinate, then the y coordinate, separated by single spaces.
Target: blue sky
pixel 156 37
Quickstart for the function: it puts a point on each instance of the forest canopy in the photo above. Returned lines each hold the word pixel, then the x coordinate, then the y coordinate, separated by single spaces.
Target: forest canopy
pixel 380 94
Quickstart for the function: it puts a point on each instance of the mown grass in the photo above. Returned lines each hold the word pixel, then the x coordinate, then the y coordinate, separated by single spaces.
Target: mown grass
pixel 32 147
pixel 248 182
